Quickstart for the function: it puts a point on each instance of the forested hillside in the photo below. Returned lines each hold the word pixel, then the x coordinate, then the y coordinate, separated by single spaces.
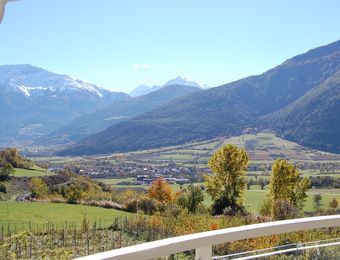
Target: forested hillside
pixel 117 112
pixel 225 110
pixel 314 119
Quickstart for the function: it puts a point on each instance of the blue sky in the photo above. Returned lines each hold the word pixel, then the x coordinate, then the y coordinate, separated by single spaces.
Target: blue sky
pixel 119 44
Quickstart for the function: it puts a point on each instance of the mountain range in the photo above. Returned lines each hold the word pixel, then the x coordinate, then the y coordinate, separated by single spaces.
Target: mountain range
pixel 299 99
pixel 34 102
pixel 179 81
pixel 41 107
pixel 120 111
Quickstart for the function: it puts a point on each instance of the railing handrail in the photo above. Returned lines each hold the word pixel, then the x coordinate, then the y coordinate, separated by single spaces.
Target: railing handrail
pixel 204 241
pixel 286 251
pixel 280 249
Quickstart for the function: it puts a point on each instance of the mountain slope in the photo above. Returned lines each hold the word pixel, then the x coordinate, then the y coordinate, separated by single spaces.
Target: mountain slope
pixel 225 110
pixel 314 119
pixel 184 81
pixel 34 101
pixel 122 111
pixel 171 124
pixel 140 91
pixel 180 81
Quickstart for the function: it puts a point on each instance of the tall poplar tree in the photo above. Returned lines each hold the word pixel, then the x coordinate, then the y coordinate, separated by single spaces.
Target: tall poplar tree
pixel 227 183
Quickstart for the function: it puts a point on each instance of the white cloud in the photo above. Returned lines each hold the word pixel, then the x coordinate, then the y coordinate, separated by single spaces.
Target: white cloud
pixel 141 66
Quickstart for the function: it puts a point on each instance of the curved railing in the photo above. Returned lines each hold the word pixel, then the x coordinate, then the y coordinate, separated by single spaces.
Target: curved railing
pixel 203 242
pixel 283 249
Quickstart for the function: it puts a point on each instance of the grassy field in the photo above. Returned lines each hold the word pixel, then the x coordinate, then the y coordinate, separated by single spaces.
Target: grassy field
pixel 18 214
pixel 264 145
pixel 35 172
pixel 113 181
pixel 253 197
pixel 57 160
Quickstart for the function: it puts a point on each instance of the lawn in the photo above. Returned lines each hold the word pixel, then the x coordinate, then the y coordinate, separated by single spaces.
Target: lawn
pixel 19 214
pixel 253 198
pixel 35 172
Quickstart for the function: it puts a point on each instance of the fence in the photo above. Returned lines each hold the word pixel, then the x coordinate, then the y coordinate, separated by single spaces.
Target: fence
pixel 203 242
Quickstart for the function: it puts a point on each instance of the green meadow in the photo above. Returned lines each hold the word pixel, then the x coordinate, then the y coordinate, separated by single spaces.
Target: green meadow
pixel 22 214
pixel 36 171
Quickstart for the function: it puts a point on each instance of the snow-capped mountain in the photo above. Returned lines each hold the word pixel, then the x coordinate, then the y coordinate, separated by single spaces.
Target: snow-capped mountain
pixel 29 80
pixel 179 81
pixel 184 81
pixel 140 90
pixel 34 101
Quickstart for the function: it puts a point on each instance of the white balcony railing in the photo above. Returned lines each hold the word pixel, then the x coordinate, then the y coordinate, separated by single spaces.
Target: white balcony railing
pixel 203 242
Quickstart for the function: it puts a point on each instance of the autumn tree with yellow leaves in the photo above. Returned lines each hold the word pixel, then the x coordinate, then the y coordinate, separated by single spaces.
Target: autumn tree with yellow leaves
pixel 287 191
pixel 161 191
pixel 227 183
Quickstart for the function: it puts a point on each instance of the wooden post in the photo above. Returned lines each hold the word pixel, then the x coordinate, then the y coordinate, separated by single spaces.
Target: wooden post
pixel 2 233
pixel 203 253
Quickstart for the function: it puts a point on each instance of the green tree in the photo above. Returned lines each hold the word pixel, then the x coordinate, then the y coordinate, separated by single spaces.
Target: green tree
pixel 73 193
pixel 227 183
pixel 191 198
pixel 317 198
pixel 39 188
pixel 27 164
pixel 262 183
pixel 11 155
pixel 287 185
pixel 6 172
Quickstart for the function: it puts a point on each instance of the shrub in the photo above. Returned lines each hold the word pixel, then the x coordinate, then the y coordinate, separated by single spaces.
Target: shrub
pixel 148 206
pixel 225 206
pixel 191 198
pixel 73 194
pixel 103 204
pixel 6 172
pixel 317 201
pixel 265 208
pixel 131 205
pixel 333 204
pixel 3 188
pixel 282 209
pixel 39 188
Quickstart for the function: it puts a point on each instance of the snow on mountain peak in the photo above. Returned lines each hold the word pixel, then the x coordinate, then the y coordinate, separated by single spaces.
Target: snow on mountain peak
pixel 27 79
pixel 24 91
pixel 185 81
